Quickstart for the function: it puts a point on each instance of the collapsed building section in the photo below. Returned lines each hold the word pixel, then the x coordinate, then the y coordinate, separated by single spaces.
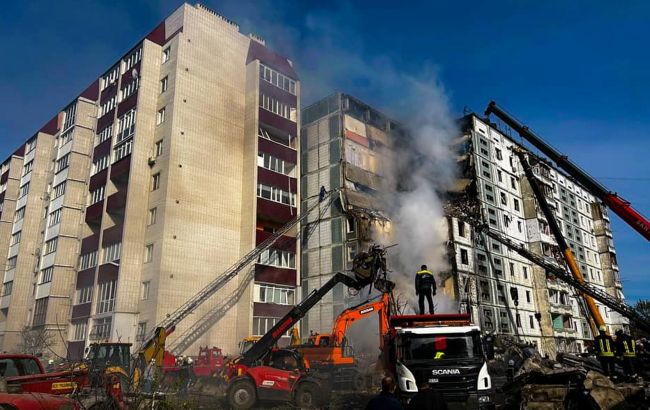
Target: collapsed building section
pixel 346 145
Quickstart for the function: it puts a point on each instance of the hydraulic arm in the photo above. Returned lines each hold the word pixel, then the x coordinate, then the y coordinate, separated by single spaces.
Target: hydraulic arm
pixel 557 233
pixel 262 346
pixel 617 204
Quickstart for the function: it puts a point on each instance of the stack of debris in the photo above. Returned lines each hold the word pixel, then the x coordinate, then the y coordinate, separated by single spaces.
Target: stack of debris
pixel 570 382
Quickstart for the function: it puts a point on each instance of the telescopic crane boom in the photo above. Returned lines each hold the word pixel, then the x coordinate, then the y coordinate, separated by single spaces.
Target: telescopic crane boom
pixel 617 204
pixel 557 233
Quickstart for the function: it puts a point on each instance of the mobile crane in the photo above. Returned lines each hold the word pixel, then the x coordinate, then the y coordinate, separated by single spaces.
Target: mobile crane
pixel 269 374
pixel 617 204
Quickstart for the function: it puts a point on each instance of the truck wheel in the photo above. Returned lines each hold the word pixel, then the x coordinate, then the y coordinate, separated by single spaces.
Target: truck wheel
pixel 242 395
pixel 307 396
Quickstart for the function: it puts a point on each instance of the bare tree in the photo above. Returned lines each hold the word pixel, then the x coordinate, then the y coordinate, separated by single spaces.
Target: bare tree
pixel 35 341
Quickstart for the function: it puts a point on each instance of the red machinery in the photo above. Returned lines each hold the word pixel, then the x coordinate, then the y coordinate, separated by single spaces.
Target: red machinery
pixel 617 204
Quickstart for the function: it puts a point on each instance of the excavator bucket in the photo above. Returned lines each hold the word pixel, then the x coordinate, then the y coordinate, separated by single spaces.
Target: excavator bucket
pixel 370 266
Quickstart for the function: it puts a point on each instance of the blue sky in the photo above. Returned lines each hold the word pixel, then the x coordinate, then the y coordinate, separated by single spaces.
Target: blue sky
pixel 576 72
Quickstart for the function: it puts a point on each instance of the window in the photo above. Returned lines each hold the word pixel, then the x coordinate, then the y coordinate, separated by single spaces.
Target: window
pixel 464 258
pixel 107 106
pixel 504 199
pixel 110 77
pixel 461 229
pixel 11 262
pixel 88 260
pixel 105 134
pixel 284 139
pixel 155 181
pixel 516 204
pixel 274 294
pixel 148 253
pixel 59 190
pixel 55 217
pixel 7 288
pixel 62 163
pixel 498 154
pixel 500 175
pixel 46 274
pixel 525 271
pixel 160 117
pixel 268 161
pixel 261 325
pixel 65 137
pixel 144 290
pixel 85 295
pixel 279 258
pixel 276 107
pixel 24 190
pixel 79 330
pixel 40 310
pixel 512 269
pixel 513 185
pixel 122 150
pixel 163 84
pixel 96 195
pixel 20 214
pixel 158 148
pixel 126 126
pixel 132 59
pixel 518 319
pixel 50 246
pixel 485 291
pixel 106 301
pixel 350 224
pixel 531 321
pixel 276 194
pixel 151 217
pixel 528 296
pixel 141 332
pixel 101 329
pixel 129 89
pixel 112 252
pixel 277 79
pixel 28 167
pixel 100 164
pixel 15 238
pixel 165 54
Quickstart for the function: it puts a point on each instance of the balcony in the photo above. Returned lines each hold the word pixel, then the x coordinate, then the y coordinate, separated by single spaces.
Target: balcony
pixel 275 121
pixel 272 178
pixel 120 170
pixel 94 213
pixel 270 309
pixel 116 202
pixel 285 243
pixel 273 274
pixel 274 211
pixel 81 311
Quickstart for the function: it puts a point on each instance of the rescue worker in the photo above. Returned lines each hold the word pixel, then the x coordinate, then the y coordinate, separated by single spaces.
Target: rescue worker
pixel 626 352
pixel 604 349
pixel 386 400
pixel 425 286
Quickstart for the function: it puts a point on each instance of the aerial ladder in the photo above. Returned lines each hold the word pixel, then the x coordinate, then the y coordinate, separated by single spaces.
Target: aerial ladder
pixel 617 204
pixel 154 346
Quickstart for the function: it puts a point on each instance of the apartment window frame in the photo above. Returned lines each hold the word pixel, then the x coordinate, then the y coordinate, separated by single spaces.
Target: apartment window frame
pixel 84 295
pixel 107 106
pixel 88 260
pixel 11 263
pixel 27 168
pixel 96 195
pixel 62 163
pixel 275 164
pixel 132 59
pixel 148 253
pixel 278 258
pixel 152 215
pixel 46 275
pixel 15 238
pixel 7 288
pixel 50 245
pixel 105 134
pixel 40 311
pixel 122 150
pixel 277 107
pixel 101 328
pixel 20 214
pixel 59 190
pixel 54 217
pixel 24 190
pixel 101 164
pixel 275 194
pixel 145 287
pixel 164 84
pixel 79 331
pixel 126 126
pixel 161 115
pixel 166 54
pixel 155 181
pixel 276 294
pixel 278 79
pixel 106 292
pixel 141 332
pixel 112 252
pixel 158 148
pixel 129 89
pixel 110 77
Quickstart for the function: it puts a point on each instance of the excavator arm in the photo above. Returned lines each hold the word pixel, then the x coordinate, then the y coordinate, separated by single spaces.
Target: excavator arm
pixel 351 315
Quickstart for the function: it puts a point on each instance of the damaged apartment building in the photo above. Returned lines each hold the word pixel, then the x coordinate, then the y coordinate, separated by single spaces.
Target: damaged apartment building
pixel 345 145
pixel 504 292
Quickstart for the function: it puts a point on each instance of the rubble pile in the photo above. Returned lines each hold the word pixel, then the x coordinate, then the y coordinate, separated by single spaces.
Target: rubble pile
pixel 572 381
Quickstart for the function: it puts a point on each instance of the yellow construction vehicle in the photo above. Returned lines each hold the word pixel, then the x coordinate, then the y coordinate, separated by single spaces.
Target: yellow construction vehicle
pixel 249 341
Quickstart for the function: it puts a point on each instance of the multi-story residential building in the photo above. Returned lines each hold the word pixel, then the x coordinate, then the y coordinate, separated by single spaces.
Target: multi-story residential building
pixel 491 276
pixel 177 161
pixel 346 145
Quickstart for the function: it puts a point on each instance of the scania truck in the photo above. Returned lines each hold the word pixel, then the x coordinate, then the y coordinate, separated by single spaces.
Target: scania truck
pixel 442 351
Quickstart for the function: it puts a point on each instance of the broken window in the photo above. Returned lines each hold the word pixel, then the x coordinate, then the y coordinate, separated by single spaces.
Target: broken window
pixel 464 257
pixel 461 229
pixel 488 320
pixel 498 154
pixel 501 294
pixel 504 323
pixel 485 291
pixel 515 202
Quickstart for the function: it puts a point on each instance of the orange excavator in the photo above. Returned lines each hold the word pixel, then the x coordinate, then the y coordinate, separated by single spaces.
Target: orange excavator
pixel 330 353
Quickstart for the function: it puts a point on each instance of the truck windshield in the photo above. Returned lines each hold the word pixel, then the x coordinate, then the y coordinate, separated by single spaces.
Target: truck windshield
pixel 440 347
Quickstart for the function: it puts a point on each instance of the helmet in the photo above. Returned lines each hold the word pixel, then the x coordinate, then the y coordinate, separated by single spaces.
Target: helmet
pixel 602 328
